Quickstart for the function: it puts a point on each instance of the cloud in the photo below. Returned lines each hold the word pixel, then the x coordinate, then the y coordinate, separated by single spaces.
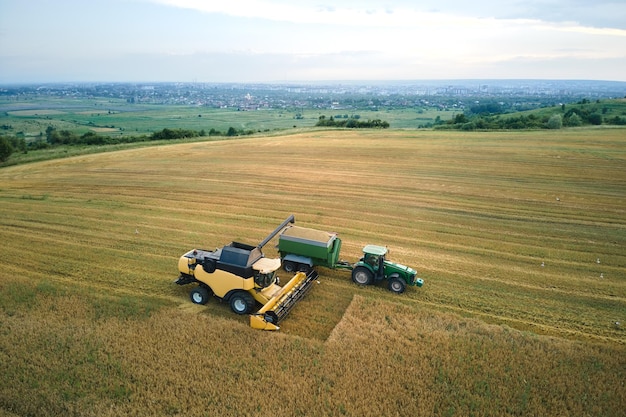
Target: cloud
pixel 270 40
pixel 481 15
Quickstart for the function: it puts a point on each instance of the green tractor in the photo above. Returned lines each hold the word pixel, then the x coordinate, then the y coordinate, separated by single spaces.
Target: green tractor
pixel 374 267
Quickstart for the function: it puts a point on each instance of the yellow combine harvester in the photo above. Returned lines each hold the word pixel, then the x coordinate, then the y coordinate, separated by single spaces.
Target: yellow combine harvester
pixel 241 275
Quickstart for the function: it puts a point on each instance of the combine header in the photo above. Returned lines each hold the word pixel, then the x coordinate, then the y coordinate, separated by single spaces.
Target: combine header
pixel 279 306
pixel 241 275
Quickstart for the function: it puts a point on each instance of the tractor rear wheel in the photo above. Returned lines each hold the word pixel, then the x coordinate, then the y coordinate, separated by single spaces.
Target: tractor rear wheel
pixel 199 295
pixel 362 276
pixel 397 285
pixel 241 302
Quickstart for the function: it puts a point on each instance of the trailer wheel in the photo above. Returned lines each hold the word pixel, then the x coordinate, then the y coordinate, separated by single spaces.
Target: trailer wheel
pixel 304 268
pixel 241 302
pixel 362 276
pixel 199 295
pixel 289 266
pixel 396 285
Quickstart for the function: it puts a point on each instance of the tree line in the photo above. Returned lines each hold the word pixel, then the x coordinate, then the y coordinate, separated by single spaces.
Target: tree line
pixel 488 117
pixel 58 137
pixel 66 137
pixel 352 123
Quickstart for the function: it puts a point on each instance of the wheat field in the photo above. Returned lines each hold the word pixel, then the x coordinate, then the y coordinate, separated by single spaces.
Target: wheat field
pixel 519 238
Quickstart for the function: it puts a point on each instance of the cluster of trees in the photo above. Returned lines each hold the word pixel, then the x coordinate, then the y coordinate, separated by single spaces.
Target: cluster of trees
pixel 171 134
pixel 8 145
pixel 67 137
pixel 352 123
pixel 571 118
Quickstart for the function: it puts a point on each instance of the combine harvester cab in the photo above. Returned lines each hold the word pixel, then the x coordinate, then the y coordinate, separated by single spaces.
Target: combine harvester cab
pixel 241 275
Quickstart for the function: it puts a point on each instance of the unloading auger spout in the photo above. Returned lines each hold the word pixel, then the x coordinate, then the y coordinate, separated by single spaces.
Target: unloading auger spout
pixel 268 317
pixel 290 219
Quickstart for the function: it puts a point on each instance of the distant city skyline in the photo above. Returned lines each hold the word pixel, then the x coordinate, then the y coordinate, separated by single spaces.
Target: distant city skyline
pixel 286 41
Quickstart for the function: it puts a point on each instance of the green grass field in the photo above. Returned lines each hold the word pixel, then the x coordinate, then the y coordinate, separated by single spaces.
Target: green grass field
pixel 116 117
pixel 520 238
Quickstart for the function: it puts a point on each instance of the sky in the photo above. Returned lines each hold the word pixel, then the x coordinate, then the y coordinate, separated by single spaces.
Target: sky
pixel 269 41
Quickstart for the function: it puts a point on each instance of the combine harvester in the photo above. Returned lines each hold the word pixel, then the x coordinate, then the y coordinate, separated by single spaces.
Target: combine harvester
pixel 241 275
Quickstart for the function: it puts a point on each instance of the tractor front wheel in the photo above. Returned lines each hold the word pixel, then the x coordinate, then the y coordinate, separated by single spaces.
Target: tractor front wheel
pixel 396 285
pixel 199 295
pixel 241 302
pixel 362 276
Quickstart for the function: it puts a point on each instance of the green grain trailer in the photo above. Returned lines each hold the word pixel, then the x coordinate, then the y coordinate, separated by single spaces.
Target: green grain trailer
pixel 302 249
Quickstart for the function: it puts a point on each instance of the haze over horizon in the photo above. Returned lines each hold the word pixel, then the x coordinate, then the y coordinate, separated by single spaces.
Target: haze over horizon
pixel 284 41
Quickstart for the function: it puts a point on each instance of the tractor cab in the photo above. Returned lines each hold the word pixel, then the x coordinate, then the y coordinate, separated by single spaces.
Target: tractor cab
pixel 374 256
